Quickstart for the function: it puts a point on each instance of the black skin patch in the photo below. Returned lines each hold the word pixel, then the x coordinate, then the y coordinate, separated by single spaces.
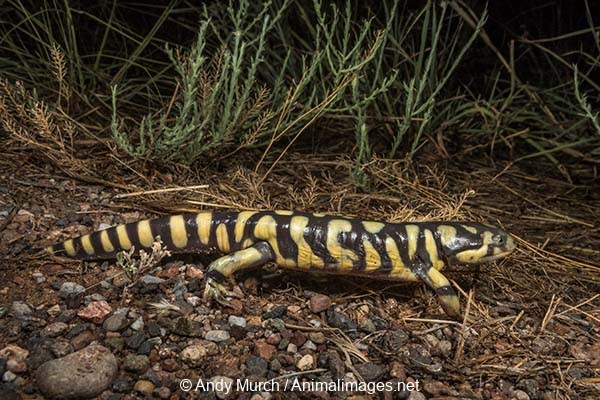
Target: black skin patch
pixel 445 290
pixel 316 236
pixel 134 238
pixel 216 276
pixel 286 245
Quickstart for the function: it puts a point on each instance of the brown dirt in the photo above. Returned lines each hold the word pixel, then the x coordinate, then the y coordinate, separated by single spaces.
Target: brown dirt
pixel 533 320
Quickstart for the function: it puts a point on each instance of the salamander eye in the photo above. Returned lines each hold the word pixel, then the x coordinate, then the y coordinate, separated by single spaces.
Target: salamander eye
pixel 499 239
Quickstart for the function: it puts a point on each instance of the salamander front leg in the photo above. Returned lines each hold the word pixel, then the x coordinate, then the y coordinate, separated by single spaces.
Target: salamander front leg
pixel 447 295
pixel 223 269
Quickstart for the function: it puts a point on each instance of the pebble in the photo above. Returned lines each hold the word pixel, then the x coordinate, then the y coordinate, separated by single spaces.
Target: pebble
pixel 95 312
pixel 117 321
pixel 194 273
pixel 275 312
pixel 257 366
pixel 144 387
pixel 54 311
pixel 83 374
pixel 83 339
pixel 194 354
pixel 237 321
pixel 9 376
pixel 61 347
pixel 15 357
pixel 147 346
pixel 21 310
pixel 520 395
pixel 264 350
pixel 308 345
pixel 38 277
pixel 70 289
pixel 94 297
pixel 222 383
pixel 319 302
pixel 416 395
pixel 371 372
pixel 187 327
pixel 163 392
pixel 151 280
pixel 217 335
pixel 340 320
pixel 336 365
pixel 134 341
pixel 138 324
pixel 136 363
pixel 54 329
pixel 306 362
pixel 153 329
pixel 317 337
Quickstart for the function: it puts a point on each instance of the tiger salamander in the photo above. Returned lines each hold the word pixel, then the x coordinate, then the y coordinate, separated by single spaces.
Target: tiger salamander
pixel 408 251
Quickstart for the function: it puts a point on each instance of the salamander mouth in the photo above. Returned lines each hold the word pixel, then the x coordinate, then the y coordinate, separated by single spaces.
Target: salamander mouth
pixel 495 256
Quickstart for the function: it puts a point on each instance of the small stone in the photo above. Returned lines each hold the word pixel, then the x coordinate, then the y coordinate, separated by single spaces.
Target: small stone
pixel 291 348
pixel 121 385
pixel 138 324
pixel 151 280
pixel 264 350
pixel 83 339
pixel 294 309
pixel 163 392
pixel 217 336
pixel 20 310
pixel 134 341
pixel 319 302
pixel 148 346
pixel 194 354
pixel 257 366
pixel 237 321
pixel 310 346
pixel 194 273
pixel 38 277
pixel 95 312
pixel 9 376
pixel 341 321
pixel 370 372
pixel 54 311
pixel 520 395
pixel 187 327
pixel 117 321
pixel 144 387
pixel 70 289
pixel 15 357
pixel 416 395
pixel 169 272
pixel 306 362
pixel 336 365
pixel 224 385
pixel 94 297
pixel 398 371
pixel 317 337
pixel 115 342
pixel 153 329
pixel 61 347
pixel 136 363
pixel 54 329
pixel 275 312
pixel 194 301
pixel 83 374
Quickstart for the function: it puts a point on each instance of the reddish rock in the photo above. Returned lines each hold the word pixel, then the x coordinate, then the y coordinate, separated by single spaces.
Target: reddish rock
pixel 264 350
pixel 193 272
pixel 95 312
pixel 319 302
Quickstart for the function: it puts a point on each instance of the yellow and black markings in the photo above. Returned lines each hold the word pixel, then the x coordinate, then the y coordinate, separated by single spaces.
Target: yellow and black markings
pixel 399 251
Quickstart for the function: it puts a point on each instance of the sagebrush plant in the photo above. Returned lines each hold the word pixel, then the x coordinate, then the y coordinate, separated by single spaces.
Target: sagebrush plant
pixel 259 74
pixel 224 103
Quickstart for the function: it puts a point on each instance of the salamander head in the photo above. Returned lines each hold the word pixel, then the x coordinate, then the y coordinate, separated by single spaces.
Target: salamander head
pixel 472 243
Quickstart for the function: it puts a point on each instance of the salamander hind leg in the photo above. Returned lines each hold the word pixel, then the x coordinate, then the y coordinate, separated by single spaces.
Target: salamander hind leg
pixel 446 294
pixel 223 269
